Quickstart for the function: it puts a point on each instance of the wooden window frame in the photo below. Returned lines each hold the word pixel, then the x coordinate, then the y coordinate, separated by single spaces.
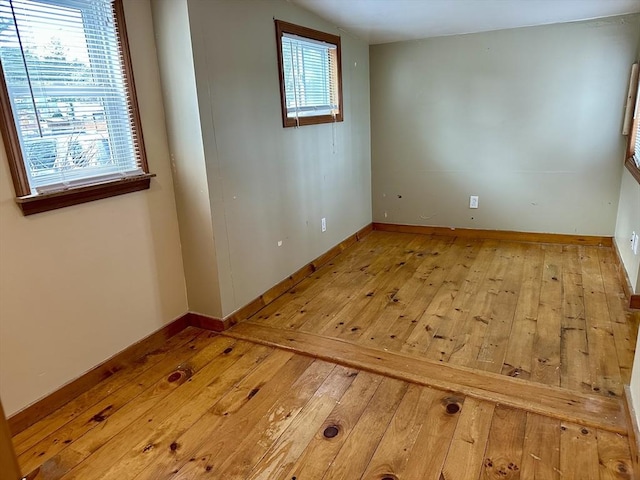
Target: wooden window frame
pixel 629 163
pixel 30 202
pixel 633 168
pixel 291 28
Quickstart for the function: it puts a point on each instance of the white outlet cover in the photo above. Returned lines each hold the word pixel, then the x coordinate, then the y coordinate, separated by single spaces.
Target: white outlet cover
pixel 636 239
pixel 473 201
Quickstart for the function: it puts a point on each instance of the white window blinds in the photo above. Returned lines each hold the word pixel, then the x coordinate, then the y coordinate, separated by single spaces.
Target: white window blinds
pixel 310 76
pixel 636 154
pixel 62 63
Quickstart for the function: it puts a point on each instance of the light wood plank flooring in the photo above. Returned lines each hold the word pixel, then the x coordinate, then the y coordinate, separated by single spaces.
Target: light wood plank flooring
pixel 550 314
pixel 407 357
pixel 222 408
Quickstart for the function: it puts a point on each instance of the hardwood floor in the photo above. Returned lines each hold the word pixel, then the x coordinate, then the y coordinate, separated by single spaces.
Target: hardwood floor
pixel 218 407
pixel 408 357
pixel 551 314
pixel 586 409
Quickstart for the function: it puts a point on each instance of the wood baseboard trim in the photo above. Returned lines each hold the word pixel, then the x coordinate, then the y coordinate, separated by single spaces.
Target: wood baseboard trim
pixel 43 407
pixel 622 272
pixel 206 322
pixel 634 300
pixel 364 231
pixel 505 235
pixel 46 405
pixel 634 430
pixel 589 410
pixel 218 325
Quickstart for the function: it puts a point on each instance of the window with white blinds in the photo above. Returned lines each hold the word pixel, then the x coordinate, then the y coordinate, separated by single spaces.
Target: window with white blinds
pixel 636 151
pixel 310 75
pixel 309 85
pixel 70 96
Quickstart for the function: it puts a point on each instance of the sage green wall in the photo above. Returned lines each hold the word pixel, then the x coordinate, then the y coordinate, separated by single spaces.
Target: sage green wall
pixel 529 119
pixel 173 40
pixel 627 223
pixel 635 381
pixel 629 219
pixel 268 184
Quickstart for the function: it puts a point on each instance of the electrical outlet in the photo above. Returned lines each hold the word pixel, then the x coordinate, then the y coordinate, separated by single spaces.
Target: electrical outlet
pixel 324 224
pixel 636 240
pixel 473 201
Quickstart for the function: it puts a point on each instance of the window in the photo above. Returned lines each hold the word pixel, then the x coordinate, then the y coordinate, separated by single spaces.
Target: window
pixel 633 147
pixel 69 113
pixel 310 75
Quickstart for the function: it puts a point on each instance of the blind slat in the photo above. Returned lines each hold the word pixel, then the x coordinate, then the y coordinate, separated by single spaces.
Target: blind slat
pixel 308 76
pixel 636 154
pixel 62 63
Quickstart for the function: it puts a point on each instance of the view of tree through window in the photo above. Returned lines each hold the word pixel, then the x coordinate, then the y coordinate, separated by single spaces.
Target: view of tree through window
pixel 64 75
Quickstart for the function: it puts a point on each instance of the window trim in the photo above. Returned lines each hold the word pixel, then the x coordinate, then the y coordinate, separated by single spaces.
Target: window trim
pixel 31 203
pixel 634 93
pixel 286 27
pixel 633 168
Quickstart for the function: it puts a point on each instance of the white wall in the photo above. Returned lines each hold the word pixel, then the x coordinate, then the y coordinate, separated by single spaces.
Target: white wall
pixel 79 284
pixel 266 183
pixel 635 381
pixel 629 221
pixel 528 119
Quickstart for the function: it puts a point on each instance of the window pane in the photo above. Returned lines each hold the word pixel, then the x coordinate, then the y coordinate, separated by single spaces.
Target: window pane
pixel 636 154
pixel 308 77
pixel 62 65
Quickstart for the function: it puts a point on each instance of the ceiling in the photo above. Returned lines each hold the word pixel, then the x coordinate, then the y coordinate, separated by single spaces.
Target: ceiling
pixel 384 21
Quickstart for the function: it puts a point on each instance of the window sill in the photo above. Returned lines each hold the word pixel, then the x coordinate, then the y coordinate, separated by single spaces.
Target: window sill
pixel 74 196
pixel 633 169
pixel 316 120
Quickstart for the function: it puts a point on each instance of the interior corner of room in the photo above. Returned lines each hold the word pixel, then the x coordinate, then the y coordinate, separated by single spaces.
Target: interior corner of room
pixel 527 119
